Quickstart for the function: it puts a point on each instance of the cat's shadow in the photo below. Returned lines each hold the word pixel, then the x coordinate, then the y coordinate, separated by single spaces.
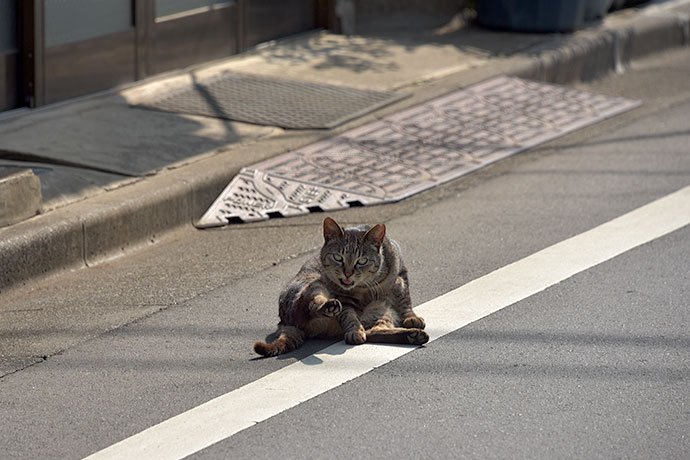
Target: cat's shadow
pixel 322 347
pixel 306 353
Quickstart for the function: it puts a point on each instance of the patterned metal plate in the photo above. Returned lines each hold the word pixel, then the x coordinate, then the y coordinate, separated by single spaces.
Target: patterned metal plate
pixel 411 151
pixel 272 101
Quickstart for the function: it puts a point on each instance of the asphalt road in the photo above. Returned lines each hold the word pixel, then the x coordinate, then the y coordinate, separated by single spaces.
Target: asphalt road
pixel 596 366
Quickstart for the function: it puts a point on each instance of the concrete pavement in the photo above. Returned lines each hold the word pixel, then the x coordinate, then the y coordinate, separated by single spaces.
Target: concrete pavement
pixel 115 178
pixel 569 366
pixel 581 180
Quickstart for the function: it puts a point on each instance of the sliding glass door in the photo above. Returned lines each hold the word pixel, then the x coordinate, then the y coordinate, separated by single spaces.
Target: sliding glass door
pixel 88 45
pixel 185 32
pixel 51 50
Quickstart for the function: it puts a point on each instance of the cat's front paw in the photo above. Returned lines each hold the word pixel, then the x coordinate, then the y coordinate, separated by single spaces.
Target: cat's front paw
pixel 414 322
pixel 331 308
pixel 357 337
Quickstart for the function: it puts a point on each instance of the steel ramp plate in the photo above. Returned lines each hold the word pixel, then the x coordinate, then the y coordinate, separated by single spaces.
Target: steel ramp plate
pixel 411 151
pixel 273 101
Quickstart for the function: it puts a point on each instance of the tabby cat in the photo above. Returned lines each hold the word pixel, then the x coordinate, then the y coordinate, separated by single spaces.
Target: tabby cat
pixel 356 288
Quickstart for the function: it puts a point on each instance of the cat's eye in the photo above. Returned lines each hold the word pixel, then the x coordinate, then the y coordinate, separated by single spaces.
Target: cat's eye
pixel 337 257
pixel 362 261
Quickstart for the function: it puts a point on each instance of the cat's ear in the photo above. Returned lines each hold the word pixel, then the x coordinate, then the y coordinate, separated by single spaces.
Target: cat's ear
pixel 331 229
pixel 375 234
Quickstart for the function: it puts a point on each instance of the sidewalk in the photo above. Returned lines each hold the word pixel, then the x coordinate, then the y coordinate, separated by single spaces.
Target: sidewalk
pixel 116 177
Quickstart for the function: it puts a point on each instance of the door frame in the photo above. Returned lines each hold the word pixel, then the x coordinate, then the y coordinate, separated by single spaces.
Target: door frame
pixel 11 93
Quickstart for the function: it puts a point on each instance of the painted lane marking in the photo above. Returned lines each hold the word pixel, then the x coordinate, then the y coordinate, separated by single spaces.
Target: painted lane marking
pixel 260 400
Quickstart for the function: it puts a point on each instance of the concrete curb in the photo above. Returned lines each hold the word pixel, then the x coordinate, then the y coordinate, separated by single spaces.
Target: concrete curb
pixel 113 223
pixel 592 55
pixel 20 195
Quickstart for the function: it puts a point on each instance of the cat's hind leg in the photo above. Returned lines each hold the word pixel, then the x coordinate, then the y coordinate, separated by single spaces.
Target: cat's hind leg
pixel 397 335
pixel 381 321
pixel 289 339
pixel 322 305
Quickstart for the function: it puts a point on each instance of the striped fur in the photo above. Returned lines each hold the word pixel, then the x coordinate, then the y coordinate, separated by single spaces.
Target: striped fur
pixel 289 338
pixel 355 289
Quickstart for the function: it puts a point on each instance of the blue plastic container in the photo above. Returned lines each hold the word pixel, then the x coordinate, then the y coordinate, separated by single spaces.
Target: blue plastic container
pixel 532 15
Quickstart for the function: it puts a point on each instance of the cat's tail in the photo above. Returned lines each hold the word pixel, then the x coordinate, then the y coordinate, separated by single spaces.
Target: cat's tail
pixel 289 338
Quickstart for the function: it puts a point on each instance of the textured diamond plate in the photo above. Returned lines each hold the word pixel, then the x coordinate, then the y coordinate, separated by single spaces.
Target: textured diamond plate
pixel 272 101
pixel 412 150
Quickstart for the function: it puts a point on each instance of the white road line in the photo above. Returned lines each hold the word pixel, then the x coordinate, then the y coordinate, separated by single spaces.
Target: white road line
pixel 237 410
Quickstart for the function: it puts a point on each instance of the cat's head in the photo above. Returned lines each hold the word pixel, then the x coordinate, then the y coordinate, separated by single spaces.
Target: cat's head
pixel 351 257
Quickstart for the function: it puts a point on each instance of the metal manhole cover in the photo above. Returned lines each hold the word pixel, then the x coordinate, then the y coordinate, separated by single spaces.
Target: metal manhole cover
pixel 411 151
pixel 272 101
